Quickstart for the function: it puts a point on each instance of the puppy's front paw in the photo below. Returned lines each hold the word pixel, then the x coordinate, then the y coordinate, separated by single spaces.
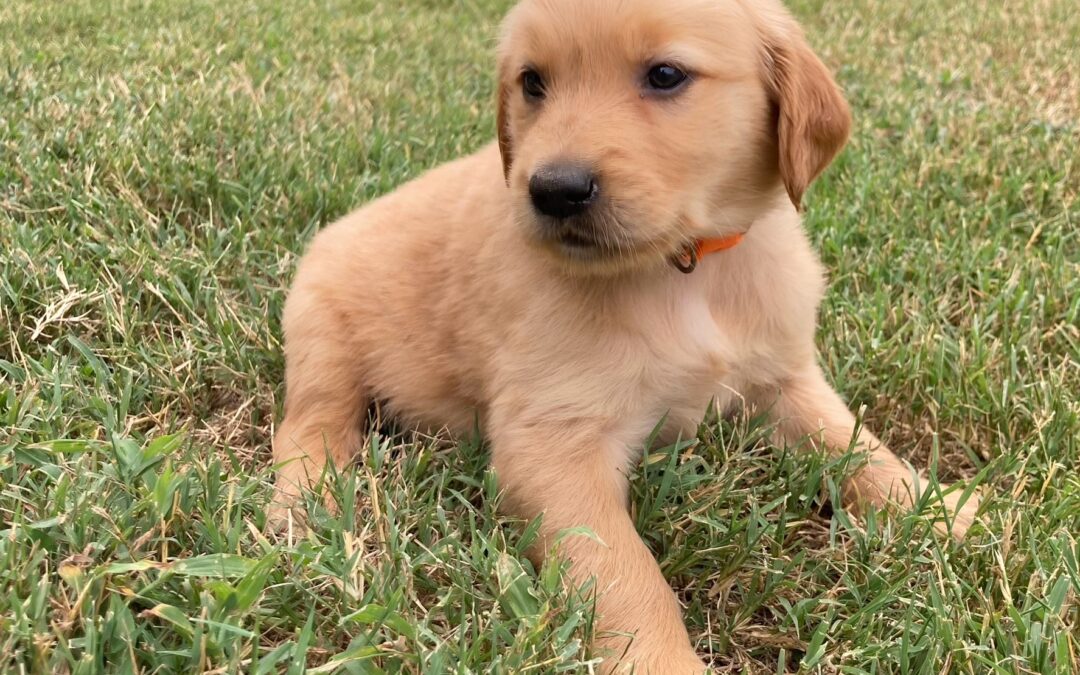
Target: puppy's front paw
pixel 960 518
pixel 285 513
pixel 281 518
pixel 689 664
pixel 674 662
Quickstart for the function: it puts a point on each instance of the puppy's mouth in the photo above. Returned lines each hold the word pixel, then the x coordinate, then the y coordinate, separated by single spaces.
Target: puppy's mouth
pixel 585 244
pixel 592 239
pixel 578 242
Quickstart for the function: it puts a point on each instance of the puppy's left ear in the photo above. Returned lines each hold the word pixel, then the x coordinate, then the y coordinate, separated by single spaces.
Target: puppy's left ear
pixel 502 119
pixel 813 119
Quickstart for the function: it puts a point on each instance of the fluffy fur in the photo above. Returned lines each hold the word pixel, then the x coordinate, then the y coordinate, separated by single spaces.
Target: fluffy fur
pixel 452 300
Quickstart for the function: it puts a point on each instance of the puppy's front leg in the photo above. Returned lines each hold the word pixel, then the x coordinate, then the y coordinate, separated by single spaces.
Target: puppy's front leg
pixel 573 476
pixel 325 401
pixel 808 406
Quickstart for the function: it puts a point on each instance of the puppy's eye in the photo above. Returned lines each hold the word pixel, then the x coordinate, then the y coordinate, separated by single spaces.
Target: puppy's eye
pixel 533 85
pixel 665 78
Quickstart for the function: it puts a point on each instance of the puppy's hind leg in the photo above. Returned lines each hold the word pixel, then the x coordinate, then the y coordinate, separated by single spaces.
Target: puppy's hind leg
pixel 808 406
pixel 325 405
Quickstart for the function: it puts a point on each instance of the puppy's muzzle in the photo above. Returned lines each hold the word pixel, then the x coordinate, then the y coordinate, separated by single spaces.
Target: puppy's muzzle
pixel 563 190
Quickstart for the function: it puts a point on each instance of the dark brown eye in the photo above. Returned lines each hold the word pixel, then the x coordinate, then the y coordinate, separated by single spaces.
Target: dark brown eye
pixel 665 78
pixel 533 85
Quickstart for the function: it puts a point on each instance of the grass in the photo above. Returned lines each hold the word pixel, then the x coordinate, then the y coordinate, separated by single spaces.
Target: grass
pixel 162 165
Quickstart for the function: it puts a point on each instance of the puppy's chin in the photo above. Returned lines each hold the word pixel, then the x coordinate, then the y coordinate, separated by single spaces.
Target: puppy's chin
pixel 579 248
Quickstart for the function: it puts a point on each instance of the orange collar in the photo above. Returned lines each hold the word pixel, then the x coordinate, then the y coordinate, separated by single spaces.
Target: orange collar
pixel 686 261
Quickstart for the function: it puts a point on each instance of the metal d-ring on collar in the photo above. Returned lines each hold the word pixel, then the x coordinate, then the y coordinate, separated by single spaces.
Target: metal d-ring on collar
pixel 686 260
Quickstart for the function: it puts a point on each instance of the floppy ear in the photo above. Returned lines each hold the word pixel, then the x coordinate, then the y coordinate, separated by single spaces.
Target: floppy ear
pixel 813 119
pixel 502 119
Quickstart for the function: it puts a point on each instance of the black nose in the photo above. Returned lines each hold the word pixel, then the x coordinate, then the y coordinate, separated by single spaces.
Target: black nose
pixel 563 190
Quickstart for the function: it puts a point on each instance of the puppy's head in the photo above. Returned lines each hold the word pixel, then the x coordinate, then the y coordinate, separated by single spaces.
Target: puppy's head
pixel 629 128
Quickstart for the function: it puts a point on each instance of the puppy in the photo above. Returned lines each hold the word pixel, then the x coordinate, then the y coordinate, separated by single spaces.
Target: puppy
pixel 630 249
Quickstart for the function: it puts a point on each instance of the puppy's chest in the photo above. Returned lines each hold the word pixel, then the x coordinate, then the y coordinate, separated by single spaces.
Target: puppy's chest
pixel 694 356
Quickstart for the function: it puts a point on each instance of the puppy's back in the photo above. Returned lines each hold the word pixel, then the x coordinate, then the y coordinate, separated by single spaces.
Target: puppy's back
pixel 392 280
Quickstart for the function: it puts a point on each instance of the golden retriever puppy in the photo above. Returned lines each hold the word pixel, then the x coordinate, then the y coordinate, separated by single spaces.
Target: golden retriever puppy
pixel 629 249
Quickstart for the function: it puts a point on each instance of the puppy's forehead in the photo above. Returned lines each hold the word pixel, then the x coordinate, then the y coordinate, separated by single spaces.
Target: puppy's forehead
pixel 714 37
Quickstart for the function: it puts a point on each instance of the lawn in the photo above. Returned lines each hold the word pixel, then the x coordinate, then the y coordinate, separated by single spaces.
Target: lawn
pixel 162 165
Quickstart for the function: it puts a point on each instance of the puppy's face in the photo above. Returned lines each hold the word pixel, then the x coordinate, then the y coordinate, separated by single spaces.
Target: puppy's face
pixel 630 128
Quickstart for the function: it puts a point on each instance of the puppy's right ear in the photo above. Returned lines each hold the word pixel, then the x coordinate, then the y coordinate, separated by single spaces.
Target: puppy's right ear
pixel 503 122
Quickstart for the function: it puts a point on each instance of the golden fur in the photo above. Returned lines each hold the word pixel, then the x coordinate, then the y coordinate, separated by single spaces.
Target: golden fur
pixel 447 301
